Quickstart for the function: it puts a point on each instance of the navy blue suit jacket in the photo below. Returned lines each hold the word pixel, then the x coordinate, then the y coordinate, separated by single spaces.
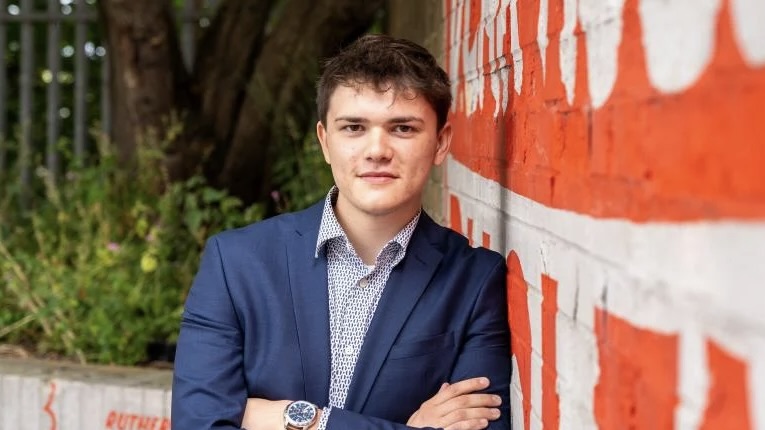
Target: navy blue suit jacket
pixel 256 324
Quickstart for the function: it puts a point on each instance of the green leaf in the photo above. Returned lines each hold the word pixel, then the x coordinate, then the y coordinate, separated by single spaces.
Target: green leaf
pixel 211 195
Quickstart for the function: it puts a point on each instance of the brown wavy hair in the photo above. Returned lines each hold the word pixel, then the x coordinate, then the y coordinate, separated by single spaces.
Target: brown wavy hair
pixel 386 63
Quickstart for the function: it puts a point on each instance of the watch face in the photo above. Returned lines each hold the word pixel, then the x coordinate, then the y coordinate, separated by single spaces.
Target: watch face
pixel 301 413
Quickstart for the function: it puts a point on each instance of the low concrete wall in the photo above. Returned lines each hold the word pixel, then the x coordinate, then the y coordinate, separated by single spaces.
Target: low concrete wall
pixel 38 395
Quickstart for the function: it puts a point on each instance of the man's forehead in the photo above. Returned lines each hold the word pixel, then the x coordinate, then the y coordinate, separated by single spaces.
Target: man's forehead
pixel 403 98
pixel 385 87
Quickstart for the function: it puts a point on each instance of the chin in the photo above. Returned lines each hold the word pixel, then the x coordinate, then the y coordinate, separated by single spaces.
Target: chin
pixel 378 210
pixel 379 204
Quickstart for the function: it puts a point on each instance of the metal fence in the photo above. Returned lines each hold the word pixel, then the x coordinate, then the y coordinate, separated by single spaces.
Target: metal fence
pixel 49 98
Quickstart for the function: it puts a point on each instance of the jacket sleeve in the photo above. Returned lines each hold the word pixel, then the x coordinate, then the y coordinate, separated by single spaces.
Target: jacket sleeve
pixel 340 419
pixel 486 351
pixel 209 389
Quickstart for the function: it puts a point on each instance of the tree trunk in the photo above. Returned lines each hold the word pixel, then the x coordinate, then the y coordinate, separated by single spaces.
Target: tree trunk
pixel 225 60
pixel 149 80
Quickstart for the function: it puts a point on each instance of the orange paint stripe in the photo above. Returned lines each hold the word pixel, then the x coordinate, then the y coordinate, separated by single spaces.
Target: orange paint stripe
pixel 728 403
pixel 520 341
pixel 486 240
pixel 550 399
pixel 48 407
pixel 455 214
pixel 643 156
pixel 638 376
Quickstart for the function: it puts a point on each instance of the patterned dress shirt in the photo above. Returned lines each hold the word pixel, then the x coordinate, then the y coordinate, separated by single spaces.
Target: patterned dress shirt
pixel 354 290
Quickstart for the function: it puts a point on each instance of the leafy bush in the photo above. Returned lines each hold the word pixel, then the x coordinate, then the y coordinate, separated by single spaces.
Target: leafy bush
pixel 302 175
pixel 99 263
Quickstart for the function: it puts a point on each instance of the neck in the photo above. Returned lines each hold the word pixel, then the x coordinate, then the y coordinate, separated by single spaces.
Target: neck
pixel 370 233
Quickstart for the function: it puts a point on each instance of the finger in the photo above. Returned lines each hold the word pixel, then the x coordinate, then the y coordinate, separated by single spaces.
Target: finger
pixel 478 424
pixel 459 388
pixel 490 414
pixel 470 401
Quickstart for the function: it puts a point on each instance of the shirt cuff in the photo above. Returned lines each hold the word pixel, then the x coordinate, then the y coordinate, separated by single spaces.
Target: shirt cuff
pixel 324 418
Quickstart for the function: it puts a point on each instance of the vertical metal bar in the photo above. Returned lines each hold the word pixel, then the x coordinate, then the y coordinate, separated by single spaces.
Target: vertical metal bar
pixel 106 99
pixel 54 91
pixel 26 82
pixel 3 92
pixel 80 80
pixel 188 32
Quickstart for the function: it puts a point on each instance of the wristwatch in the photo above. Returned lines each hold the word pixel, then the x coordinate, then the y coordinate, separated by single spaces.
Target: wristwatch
pixel 300 415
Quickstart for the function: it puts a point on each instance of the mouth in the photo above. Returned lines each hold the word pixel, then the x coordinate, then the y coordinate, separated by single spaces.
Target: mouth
pixel 377 177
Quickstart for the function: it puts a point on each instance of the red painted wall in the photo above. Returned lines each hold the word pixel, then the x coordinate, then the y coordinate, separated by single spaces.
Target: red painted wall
pixel 615 152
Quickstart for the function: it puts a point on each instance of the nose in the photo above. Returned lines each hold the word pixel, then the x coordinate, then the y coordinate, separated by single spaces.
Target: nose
pixel 378 146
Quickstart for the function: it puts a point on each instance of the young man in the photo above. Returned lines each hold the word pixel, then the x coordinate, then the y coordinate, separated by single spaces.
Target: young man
pixel 359 312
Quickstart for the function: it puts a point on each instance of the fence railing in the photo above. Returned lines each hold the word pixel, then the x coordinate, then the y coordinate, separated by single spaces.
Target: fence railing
pixel 73 79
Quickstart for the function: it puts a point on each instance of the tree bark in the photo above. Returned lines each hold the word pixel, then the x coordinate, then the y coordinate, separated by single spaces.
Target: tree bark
pixel 149 80
pixel 225 60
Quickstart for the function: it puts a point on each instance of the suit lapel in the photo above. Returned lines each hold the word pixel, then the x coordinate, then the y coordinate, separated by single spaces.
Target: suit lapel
pixel 402 291
pixel 308 284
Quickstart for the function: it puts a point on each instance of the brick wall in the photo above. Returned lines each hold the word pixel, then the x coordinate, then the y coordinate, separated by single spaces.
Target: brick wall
pixel 614 151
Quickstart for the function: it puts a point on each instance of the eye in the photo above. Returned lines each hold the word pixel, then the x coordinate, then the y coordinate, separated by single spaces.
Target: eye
pixel 353 128
pixel 404 129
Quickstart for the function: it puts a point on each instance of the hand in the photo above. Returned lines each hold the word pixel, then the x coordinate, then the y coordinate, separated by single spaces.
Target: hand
pixel 458 407
pixel 262 414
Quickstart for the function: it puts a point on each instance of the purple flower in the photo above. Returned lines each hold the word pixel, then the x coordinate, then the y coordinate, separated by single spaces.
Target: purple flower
pixel 113 247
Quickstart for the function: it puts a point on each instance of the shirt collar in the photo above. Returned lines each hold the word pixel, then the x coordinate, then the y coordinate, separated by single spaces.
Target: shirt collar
pixel 330 227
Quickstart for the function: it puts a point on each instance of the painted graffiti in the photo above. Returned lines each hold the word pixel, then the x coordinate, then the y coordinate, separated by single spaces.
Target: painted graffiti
pixel 637 383
pixel 47 407
pixel 61 415
pixel 126 421
pixel 612 150
pixel 618 108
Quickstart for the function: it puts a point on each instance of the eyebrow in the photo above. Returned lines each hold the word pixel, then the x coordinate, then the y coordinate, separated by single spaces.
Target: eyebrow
pixel 405 119
pixel 396 120
pixel 350 119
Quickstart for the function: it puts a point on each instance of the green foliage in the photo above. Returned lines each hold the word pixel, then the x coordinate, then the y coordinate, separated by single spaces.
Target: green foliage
pixel 102 262
pixel 96 264
pixel 302 175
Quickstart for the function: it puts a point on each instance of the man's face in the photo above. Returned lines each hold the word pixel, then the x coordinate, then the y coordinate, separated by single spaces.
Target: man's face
pixel 381 147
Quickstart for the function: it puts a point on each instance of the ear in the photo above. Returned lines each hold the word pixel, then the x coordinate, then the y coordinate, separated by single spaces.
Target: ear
pixel 321 133
pixel 444 142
